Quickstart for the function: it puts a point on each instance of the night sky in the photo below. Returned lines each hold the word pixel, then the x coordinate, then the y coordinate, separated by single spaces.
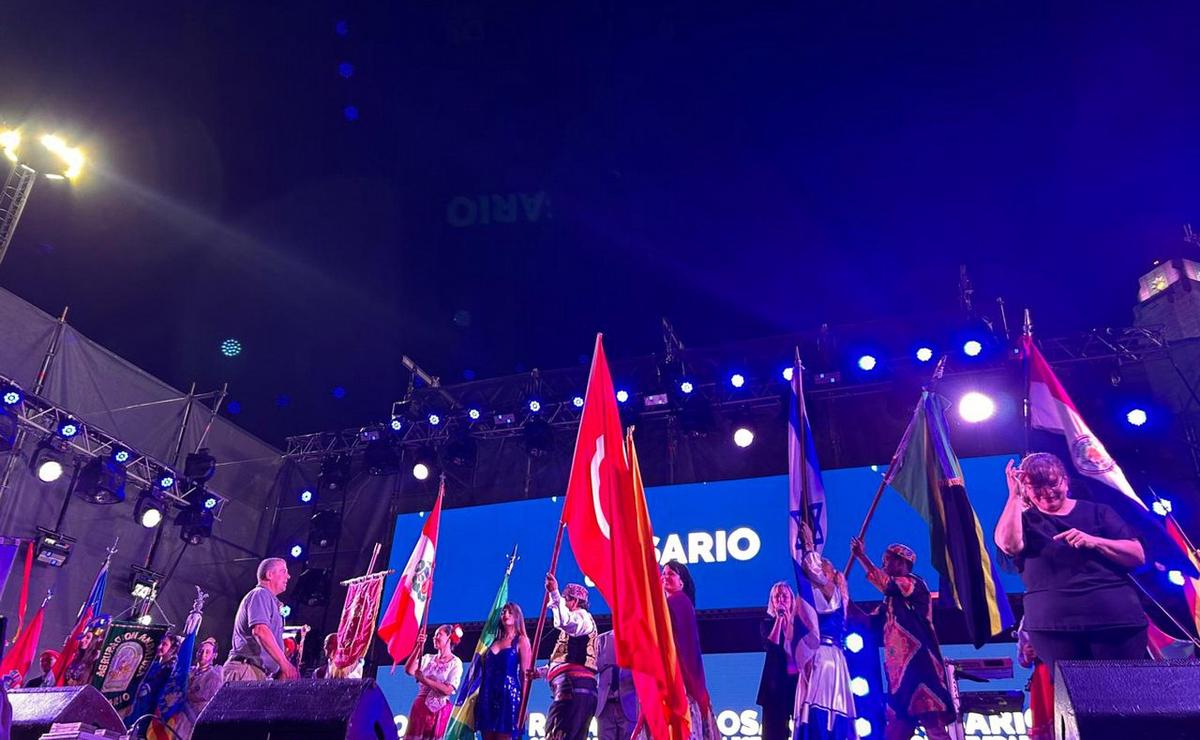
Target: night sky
pixel 483 185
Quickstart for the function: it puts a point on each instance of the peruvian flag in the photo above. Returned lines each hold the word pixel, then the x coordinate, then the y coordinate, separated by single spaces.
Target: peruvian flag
pixel 1051 409
pixel 406 611
pixel 613 542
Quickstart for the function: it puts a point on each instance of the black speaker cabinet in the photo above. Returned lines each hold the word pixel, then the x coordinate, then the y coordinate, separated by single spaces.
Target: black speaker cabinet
pixel 308 709
pixel 34 710
pixel 1102 699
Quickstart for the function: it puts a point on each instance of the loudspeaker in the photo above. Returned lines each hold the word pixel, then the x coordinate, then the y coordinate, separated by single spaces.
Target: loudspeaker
pixel 1101 699
pixel 34 710
pixel 308 709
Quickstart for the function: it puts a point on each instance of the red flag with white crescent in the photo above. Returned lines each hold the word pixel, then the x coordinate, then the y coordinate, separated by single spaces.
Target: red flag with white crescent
pixel 598 472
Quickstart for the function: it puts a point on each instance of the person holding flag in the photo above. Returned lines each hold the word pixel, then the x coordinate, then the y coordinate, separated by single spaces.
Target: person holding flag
pixel 506 660
pixel 571 671
pixel 409 608
pixel 438 676
pixel 1074 557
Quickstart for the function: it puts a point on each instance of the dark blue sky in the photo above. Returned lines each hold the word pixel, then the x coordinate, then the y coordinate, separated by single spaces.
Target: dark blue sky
pixel 743 170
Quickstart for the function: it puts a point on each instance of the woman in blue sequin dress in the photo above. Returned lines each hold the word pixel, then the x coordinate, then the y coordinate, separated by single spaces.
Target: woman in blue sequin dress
pixel 505 661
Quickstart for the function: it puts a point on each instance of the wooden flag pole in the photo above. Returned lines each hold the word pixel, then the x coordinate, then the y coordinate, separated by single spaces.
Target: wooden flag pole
pixel 527 679
pixel 891 468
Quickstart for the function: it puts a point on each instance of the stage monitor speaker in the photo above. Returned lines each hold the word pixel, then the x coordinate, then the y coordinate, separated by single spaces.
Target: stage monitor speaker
pixel 34 710
pixel 1102 699
pixel 308 709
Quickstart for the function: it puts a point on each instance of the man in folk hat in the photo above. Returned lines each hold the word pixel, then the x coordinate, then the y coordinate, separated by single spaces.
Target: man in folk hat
pixel 912 657
pixel 572 667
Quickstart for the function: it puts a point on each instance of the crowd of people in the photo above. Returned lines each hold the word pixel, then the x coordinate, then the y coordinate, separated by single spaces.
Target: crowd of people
pixel 1072 555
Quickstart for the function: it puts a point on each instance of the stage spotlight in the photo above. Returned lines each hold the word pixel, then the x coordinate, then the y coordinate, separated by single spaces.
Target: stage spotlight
pixel 854 642
pixel 686 387
pixel 1162 507
pixel 461 450
pixel 787 373
pixel 150 509
pixel 1136 417
pixel 743 437
pixel 862 726
pixel 434 419
pixel 1176 577
pixel 47 460
pixel 577 402
pixel 867 363
pixel 474 414
pixel 210 501
pixel 10 394
pixel 859 686
pixel 324 528
pixel 297 552
pixel 145 584
pixel 396 424
pixel 53 548
pixel 535 405
pixel 622 396
pixel 737 380
pixel 306 496
pixel 68 428
pixel 165 480
pixel 312 587
pixel 120 455
pixel 421 471
pixel 975 407
pixel 231 348
pixel 199 467
pixel 924 354
pixel 285 611
pixel 101 482
pixel 539 437
pixel 335 472
pixel 195 523
pixel 380 457
pixel 972 347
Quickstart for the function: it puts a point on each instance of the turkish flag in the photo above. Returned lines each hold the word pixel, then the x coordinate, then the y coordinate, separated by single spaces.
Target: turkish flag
pixel 406 611
pixel 613 542
pixel 599 472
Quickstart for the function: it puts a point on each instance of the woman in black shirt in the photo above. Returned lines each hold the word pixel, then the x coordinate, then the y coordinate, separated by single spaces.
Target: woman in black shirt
pixel 1074 557
pixel 788 640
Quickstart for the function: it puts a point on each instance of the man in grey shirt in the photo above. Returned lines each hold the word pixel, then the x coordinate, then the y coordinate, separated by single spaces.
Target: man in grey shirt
pixel 257 652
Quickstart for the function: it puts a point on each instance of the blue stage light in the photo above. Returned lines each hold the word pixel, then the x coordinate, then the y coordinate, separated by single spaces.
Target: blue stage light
pixel 11 395
pixel 862 726
pixel 234 407
pixel 577 402
pixel 396 424
pixel 686 387
pixel 474 414
pixel 787 373
pixel 68 428
pixel 210 502
pixel 859 686
pixel 1162 506
pixel 1176 577
pixel 121 455
pixel 346 70
pixel 622 396
pixel 165 480
pixel 434 420
pixel 339 392
pixel 972 348
pixel 1137 417
pixel 306 496
pixel 285 611
pixel 924 354
pixel 350 113
pixel 297 551
pixel 535 405
pixel 737 380
pixel 231 347
pixel 867 363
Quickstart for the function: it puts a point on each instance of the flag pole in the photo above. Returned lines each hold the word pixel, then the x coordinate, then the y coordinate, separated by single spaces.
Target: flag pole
pixel 802 440
pixel 527 679
pixel 1026 362
pixel 891 468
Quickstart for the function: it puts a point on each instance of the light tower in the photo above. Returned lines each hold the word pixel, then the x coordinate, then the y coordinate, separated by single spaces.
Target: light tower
pixel 54 159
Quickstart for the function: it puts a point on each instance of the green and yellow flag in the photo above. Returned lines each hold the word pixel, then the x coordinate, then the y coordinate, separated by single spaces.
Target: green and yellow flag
pixel 928 476
pixel 462 718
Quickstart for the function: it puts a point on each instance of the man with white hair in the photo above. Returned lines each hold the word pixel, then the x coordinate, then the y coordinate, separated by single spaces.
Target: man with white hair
pixel 257 651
